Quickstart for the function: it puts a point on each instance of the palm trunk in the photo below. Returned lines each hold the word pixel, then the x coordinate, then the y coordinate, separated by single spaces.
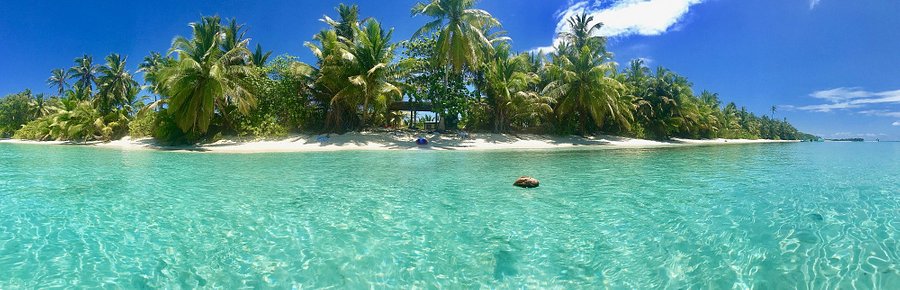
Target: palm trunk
pixel 365 114
pixel 441 125
pixel 500 121
pixel 582 122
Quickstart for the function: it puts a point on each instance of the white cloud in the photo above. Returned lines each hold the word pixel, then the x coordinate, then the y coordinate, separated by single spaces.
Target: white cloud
pixel 840 94
pixel 647 61
pixel 888 97
pixel 850 98
pixel 896 124
pixel 787 107
pixel 828 107
pixel 881 113
pixel 627 17
pixel 544 49
pixel 813 4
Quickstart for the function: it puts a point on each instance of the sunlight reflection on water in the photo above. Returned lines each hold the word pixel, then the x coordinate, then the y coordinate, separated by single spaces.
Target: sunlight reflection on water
pixel 751 216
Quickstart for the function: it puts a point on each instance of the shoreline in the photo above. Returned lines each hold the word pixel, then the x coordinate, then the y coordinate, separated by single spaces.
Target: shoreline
pixel 387 141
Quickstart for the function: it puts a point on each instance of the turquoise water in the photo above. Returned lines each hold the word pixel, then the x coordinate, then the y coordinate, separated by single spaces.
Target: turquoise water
pixel 823 215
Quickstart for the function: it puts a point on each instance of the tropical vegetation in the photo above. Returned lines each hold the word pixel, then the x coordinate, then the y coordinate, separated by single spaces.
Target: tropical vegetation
pixel 459 65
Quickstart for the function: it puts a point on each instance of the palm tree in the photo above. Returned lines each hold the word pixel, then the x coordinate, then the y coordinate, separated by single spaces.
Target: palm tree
pixel 507 84
pixel 80 121
pixel 461 31
pixel 348 26
pixel 732 117
pixel 77 93
pixel 85 71
pixel 259 58
pixel 774 108
pixel 59 78
pixel 583 32
pixel 674 112
pixel 374 74
pixel 117 86
pixel 331 77
pixel 584 83
pixel 152 65
pixel 585 87
pixel 39 106
pixel 233 34
pixel 206 79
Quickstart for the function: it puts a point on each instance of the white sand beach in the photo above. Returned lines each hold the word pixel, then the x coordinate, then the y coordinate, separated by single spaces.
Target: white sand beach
pixel 403 141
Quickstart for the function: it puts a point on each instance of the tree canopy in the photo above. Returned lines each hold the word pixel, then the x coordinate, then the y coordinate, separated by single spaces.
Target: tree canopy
pixel 458 64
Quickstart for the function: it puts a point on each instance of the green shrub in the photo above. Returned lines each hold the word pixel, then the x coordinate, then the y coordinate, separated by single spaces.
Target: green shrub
pixel 262 127
pixel 37 130
pixel 79 122
pixel 166 131
pixel 142 125
pixel 15 110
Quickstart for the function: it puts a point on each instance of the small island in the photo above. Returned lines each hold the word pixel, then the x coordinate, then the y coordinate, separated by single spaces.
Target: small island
pixel 213 84
pixel 846 140
pixel 315 147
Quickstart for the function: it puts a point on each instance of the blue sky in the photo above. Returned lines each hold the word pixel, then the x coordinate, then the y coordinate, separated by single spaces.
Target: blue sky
pixel 831 66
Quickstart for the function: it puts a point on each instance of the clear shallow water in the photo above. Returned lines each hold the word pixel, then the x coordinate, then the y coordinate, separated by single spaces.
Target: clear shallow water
pixel 755 216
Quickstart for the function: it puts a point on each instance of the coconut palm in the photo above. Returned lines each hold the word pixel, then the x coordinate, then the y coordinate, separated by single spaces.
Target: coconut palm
pixel 77 93
pixel 331 77
pixel 347 26
pixel 80 121
pixel 532 108
pixel 584 83
pixel 232 35
pixel 117 86
pixel 206 79
pixel 85 73
pixel 712 117
pixel 59 78
pixel 670 93
pixel 638 79
pixel 152 65
pixel 259 58
pixel 374 76
pixel 506 85
pixel 40 106
pixel 461 31
pixel 583 32
pixel 586 88
pixel 732 120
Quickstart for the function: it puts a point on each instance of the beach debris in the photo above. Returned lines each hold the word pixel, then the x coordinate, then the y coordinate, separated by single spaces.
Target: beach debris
pixel 422 141
pixel 527 182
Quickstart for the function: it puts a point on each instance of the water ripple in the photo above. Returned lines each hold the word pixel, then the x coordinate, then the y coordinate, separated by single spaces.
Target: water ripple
pixel 809 216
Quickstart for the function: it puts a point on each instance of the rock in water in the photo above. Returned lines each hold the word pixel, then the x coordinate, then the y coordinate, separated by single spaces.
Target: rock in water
pixel 527 182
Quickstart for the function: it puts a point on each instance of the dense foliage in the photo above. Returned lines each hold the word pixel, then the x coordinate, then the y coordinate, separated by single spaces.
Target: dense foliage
pixel 459 65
